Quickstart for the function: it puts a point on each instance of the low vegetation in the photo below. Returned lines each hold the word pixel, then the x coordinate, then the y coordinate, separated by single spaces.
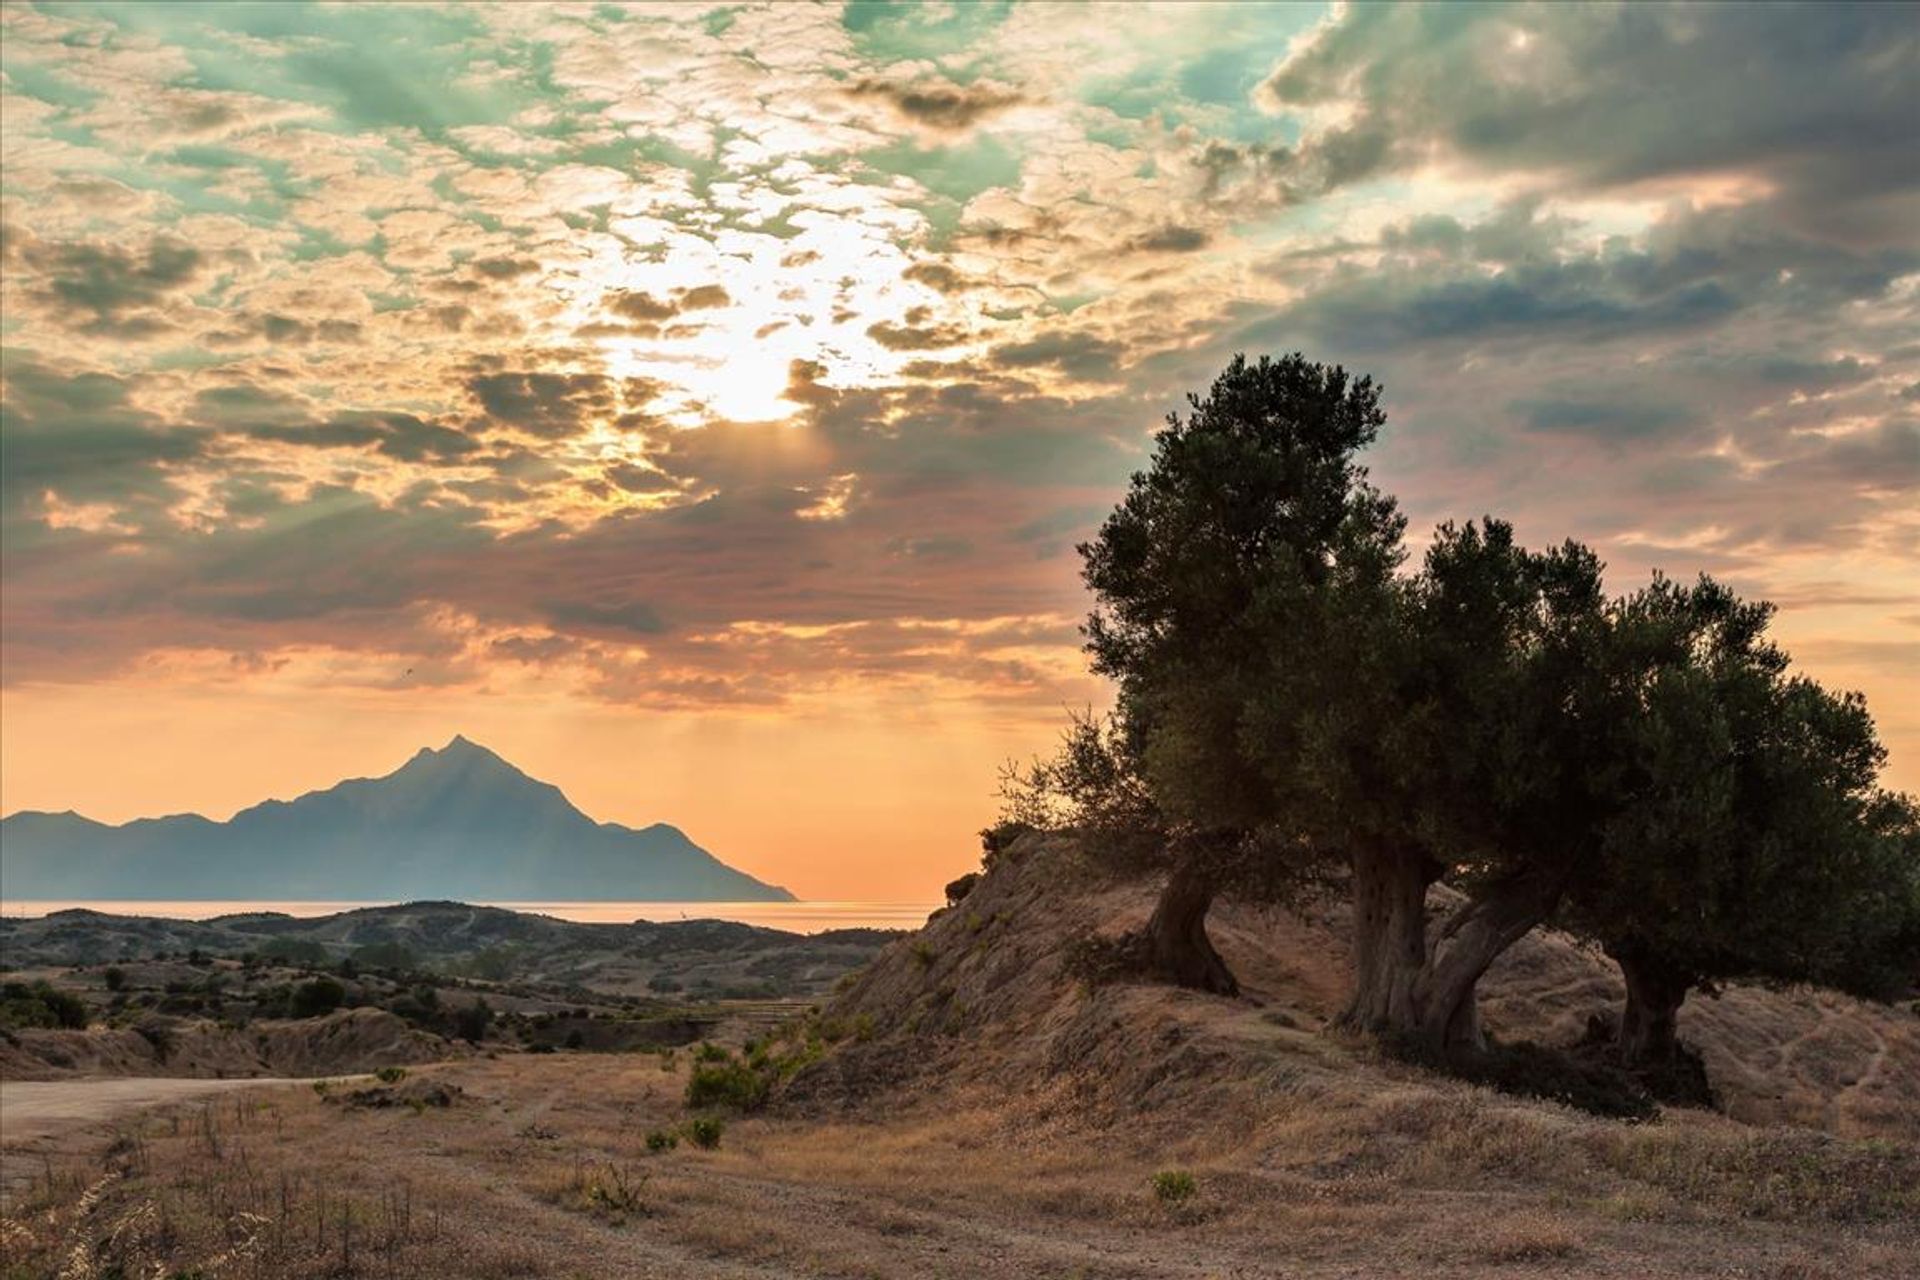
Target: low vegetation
pixel 39 1004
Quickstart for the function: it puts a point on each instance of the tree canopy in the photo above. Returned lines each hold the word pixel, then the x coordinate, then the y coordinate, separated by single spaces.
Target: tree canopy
pixel 1291 701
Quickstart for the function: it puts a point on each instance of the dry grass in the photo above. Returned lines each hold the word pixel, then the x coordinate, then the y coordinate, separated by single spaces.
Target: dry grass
pixel 542 1169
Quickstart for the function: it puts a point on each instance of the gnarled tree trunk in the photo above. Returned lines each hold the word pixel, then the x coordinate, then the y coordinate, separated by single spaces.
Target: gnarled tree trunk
pixel 1417 989
pixel 1467 942
pixel 1178 948
pixel 1389 937
pixel 1649 1024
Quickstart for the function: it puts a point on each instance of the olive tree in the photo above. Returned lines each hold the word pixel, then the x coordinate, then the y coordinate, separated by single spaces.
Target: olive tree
pixel 1757 841
pixel 1223 584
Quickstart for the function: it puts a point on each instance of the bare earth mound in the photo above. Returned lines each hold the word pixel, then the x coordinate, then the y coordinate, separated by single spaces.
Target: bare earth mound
pixel 986 990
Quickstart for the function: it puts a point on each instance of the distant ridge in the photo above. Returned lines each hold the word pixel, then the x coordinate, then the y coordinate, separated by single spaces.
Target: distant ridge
pixel 459 822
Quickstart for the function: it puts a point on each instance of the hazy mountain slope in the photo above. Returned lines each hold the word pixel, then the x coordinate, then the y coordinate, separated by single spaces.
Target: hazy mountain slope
pixel 455 823
pixel 696 956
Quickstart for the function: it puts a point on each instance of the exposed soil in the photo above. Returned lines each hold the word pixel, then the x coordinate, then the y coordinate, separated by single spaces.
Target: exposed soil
pixel 36 1112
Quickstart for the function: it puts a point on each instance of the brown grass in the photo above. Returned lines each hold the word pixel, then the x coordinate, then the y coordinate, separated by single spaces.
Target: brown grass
pixel 541 1169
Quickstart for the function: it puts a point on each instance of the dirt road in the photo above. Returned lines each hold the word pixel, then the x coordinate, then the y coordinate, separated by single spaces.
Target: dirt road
pixel 33 1111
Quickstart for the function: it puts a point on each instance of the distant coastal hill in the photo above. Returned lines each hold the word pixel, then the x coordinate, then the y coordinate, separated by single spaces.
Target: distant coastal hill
pixel 459 822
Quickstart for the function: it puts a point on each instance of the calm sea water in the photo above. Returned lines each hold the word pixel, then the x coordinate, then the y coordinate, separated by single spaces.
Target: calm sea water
pixel 795 917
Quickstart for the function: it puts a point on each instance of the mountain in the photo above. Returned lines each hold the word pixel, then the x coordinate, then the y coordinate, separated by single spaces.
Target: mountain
pixel 459 822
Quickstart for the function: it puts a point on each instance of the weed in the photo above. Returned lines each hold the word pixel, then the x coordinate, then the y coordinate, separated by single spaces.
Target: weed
pixel 608 1191
pixel 660 1141
pixel 727 1084
pixel 1174 1186
pixel 705 1131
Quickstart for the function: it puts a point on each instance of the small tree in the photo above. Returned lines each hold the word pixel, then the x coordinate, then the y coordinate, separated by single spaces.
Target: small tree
pixel 472 1021
pixel 317 998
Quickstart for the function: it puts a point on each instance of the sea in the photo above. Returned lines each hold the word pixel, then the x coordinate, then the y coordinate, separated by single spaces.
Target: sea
pixel 794 917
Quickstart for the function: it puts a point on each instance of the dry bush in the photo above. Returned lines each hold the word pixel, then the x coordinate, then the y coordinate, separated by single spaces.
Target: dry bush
pixel 1527 1236
pixel 611 1191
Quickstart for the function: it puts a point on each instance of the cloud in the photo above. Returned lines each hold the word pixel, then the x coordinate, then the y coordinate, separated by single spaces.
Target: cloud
pixel 111 291
pixel 787 353
pixel 939 104
pixel 1803 99
pixel 1079 354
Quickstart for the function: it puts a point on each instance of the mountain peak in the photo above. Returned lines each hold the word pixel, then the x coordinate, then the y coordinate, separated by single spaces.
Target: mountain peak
pixel 453 821
pixel 459 749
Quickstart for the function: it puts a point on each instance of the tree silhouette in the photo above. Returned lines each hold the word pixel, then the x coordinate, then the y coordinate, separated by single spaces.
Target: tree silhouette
pixel 1758 843
pixel 1220 583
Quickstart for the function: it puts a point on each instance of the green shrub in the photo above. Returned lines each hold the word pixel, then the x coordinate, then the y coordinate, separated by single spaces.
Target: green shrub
pixel 158 1035
pixel 317 998
pixel 710 1052
pixel 296 951
pixel 390 1075
pixel 1174 1186
pixel 726 1084
pixel 1099 959
pixel 997 841
pixel 384 955
pixel 495 964
pixel 958 890
pixel 661 1140
pixel 1529 1070
pixel 115 978
pixel 704 1132
pixel 41 1005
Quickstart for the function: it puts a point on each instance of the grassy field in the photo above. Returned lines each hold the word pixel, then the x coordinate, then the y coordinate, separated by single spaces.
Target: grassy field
pixel 541 1165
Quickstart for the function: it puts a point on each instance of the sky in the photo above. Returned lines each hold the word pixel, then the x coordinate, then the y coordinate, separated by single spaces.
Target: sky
pixel 700 405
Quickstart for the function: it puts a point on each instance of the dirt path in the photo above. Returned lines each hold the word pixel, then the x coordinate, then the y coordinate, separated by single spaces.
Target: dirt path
pixel 33 1111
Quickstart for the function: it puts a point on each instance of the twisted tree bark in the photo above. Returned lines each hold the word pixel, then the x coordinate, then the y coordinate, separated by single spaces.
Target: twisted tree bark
pixel 1649 1025
pixel 1389 938
pixel 1418 986
pixel 1178 948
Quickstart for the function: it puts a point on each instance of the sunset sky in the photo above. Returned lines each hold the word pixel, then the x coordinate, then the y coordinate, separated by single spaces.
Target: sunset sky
pixel 699 405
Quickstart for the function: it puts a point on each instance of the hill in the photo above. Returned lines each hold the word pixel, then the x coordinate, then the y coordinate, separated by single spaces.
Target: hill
pixel 990 991
pixel 708 957
pixel 459 822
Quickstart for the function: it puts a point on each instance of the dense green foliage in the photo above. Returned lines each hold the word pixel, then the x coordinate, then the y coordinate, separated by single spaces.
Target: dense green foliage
pixel 1758 843
pixel 1233 585
pixel 1291 703
pixel 40 1004
pixel 316 998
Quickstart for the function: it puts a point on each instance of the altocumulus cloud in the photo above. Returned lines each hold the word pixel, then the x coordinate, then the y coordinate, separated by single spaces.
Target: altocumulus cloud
pixel 729 355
